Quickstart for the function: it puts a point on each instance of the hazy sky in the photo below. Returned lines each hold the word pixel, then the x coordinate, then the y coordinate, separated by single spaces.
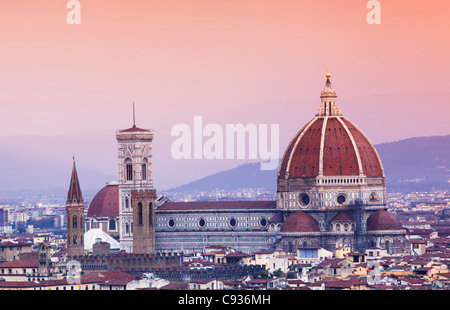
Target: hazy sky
pixel 230 61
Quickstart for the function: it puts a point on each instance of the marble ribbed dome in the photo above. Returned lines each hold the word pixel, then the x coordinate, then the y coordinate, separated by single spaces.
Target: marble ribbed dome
pixel 330 145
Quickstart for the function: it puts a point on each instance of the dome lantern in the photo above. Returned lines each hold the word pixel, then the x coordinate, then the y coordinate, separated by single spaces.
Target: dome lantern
pixel 328 106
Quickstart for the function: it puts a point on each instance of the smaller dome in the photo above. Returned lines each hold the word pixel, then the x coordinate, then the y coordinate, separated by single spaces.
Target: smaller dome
pixel 300 222
pixel 276 218
pixel 92 235
pixel 105 203
pixel 342 217
pixel 383 220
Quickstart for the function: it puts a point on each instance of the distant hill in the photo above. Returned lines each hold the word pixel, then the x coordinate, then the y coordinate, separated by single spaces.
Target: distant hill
pixel 243 176
pixel 415 164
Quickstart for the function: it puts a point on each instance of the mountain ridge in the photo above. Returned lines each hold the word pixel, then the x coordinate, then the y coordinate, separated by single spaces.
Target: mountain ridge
pixel 417 163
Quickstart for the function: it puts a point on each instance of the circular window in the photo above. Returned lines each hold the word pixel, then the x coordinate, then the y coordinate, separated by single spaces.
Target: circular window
pixel 303 199
pixel 341 199
pixel 263 222
pixel 201 223
pixel 232 222
pixel 171 223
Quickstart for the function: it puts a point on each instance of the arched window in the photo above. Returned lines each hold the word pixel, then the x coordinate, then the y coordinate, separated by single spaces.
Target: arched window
pixel 74 222
pixel 144 169
pixel 140 213
pixel 128 170
pixel 150 219
pixel 75 239
pixel 112 224
pixel 127 228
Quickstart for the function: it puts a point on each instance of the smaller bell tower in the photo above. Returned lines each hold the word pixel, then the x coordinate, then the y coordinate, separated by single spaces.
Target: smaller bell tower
pixel 143 221
pixel 75 217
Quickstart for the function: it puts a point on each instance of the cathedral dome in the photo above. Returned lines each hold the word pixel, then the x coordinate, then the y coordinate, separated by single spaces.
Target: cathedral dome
pixel 106 202
pixel 383 220
pixel 330 145
pixel 300 222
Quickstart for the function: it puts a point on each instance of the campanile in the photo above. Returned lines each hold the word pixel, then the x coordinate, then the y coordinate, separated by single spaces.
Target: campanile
pixel 75 217
pixel 143 221
pixel 135 172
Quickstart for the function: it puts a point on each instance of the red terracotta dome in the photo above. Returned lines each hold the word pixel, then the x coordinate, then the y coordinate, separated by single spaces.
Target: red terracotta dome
pixel 300 222
pixel 105 203
pixel 342 216
pixel 330 145
pixel 383 220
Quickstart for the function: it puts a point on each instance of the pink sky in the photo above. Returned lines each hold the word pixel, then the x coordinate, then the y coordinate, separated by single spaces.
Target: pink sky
pixel 248 61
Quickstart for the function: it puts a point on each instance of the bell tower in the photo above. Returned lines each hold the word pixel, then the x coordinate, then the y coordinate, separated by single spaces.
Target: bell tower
pixel 135 172
pixel 75 217
pixel 143 221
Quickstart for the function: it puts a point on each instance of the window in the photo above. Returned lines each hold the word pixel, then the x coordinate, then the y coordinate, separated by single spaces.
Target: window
pixel 373 196
pixel 201 223
pixel 171 223
pixel 140 213
pixel 128 170
pixel 112 224
pixel 263 222
pixel 150 219
pixel 144 169
pixel 341 198
pixel 232 222
pixel 304 199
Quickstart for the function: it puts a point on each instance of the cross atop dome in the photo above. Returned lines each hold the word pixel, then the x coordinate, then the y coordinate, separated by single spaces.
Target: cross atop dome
pixel 328 97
